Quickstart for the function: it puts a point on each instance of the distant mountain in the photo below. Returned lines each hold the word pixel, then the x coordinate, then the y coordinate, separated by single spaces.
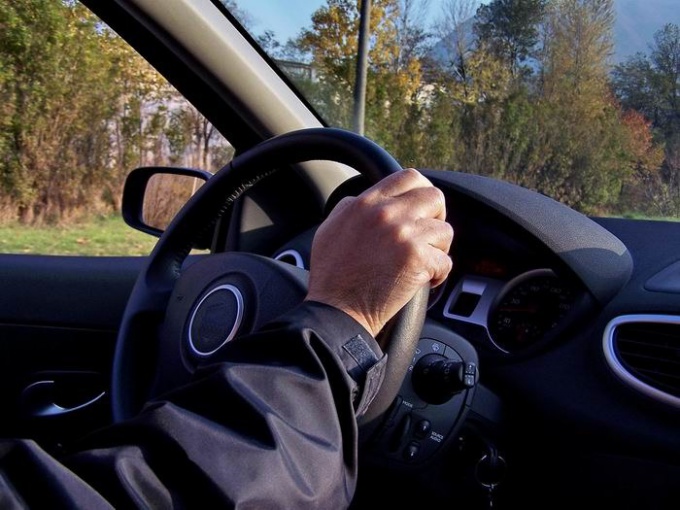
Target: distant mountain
pixel 444 47
pixel 638 20
pixel 636 23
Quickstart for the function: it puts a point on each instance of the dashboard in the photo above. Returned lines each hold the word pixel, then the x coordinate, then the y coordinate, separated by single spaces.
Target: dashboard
pixel 533 288
pixel 510 297
pixel 507 294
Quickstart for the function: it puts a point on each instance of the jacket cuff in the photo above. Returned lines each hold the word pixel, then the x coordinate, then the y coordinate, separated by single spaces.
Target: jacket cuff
pixel 357 350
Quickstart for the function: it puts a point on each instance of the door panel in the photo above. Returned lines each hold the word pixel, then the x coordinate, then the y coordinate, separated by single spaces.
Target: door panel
pixel 58 322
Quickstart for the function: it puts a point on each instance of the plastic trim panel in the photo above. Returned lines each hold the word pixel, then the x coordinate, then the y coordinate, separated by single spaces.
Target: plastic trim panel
pixel 618 368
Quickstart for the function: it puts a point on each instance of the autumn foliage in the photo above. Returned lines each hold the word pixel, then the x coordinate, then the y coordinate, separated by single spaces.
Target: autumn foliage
pixel 79 109
pixel 521 90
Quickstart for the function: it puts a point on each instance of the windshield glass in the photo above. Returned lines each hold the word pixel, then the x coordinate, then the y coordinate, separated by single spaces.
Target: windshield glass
pixel 577 99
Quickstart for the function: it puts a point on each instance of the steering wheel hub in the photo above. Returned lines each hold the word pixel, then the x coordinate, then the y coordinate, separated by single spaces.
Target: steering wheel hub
pixel 215 320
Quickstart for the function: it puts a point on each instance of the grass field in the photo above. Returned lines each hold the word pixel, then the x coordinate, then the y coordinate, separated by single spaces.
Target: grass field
pixel 105 236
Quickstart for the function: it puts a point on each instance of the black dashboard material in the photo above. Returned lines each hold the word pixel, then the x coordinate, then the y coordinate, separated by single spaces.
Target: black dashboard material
pixel 532 291
pixel 525 267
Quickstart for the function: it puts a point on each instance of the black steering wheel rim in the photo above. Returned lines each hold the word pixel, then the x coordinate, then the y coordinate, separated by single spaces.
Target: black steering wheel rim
pixel 152 289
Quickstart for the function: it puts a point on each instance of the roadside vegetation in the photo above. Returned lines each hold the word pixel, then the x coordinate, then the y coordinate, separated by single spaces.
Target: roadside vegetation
pixel 522 90
pixel 79 110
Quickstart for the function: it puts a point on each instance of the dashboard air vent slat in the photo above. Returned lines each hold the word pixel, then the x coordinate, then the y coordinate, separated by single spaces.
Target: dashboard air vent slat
pixel 644 351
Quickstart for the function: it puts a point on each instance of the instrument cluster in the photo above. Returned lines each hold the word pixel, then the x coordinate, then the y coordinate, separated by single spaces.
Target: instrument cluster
pixel 509 316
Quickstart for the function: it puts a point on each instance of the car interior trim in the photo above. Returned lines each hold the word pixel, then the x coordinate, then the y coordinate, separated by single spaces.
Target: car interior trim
pixel 292 257
pixel 234 329
pixel 599 259
pixel 618 367
pixel 487 289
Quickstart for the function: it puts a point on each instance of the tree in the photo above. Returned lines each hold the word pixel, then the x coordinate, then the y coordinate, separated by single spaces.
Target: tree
pixel 191 138
pixel 634 83
pixel 456 43
pixel 644 189
pixel 57 105
pixel 241 15
pixel 579 47
pixel 411 36
pixel 394 74
pixel 650 86
pixel 586 163
pixel 665 59
pixel 510 29
pixel 79 109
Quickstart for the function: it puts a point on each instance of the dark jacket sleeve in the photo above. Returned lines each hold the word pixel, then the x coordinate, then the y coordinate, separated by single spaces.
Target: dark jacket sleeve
pixel 272 424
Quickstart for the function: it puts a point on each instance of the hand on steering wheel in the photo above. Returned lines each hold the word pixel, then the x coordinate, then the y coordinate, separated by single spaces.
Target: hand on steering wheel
pixel 154 350
pixel 396 232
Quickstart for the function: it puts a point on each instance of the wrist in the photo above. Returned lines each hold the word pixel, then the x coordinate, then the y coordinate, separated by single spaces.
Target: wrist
pixel 361 319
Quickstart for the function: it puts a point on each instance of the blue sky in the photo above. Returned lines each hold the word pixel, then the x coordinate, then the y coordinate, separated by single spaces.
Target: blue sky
pixel 287 17
pixel 637 20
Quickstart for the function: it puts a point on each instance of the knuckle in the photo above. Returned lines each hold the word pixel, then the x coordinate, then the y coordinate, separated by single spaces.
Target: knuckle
pixel 343 204
pixel 403 235
pixel 436 196
pixel 382 216
pixel 447 264
pixel 449 233
pixel 440 270
pixel 413 177
pixel 415 259
pixel 412 173
pixel 363 201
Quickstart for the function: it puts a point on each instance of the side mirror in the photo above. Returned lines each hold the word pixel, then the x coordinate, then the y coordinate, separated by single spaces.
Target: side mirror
pixel 152 196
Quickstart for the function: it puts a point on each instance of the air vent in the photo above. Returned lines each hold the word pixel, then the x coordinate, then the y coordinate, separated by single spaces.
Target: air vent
pixel 644 351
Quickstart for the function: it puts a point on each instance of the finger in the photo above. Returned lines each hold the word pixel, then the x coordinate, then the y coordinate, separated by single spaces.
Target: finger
pixel 426 202
pixel 436 233
pixel 398 183
pixel 434 238
pixel 440 265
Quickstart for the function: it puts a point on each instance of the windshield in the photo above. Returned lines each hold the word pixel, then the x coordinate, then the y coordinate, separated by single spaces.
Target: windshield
pixel 577 99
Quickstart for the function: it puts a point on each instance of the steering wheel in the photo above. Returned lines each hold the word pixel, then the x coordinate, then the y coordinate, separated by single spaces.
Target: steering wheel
pixel 178 317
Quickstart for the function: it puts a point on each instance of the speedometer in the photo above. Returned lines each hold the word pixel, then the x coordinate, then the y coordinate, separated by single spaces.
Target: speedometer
pixel 528 308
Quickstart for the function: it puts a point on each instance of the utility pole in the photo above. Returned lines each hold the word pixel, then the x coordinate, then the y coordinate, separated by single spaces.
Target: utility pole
pixel 362 66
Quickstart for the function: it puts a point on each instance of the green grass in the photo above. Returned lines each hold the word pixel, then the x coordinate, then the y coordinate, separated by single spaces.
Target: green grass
pixel 640 216
pixel 101 237
pixel 104 236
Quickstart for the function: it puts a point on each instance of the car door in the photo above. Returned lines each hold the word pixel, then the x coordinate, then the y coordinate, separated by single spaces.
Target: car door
pixel 58 323
pixel 68 262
